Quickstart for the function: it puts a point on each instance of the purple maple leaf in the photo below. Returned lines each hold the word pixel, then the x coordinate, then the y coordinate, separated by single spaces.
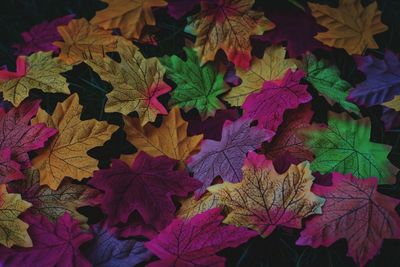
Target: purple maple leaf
pixel 41 37
pixel 54 244
pixel 145 187
pixel 178 8
pixel 381 85
pixel 106 250
pixel 225 157
pixel 195 242
pixel 268 105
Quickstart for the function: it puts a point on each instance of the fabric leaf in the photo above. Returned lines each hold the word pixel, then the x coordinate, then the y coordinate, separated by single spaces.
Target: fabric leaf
pixel 394 103
pixel 54 203
pixel 54 244
pixel 41 36
pixel 170 139
pixel 265 199
pixel 192 206
pixel 10 170
pixel 350 26
pixel 227 25
pixel 268 105
pixel 66 155
pixel 355 211
pixel 17 135
pixel 197 86
pixel 197 242
pixel 326 79
pixel 13 230
pixel 130 16
pixel 136 81
pixel 273 66
pixel 225 157
pixel 42 72
pixel 82 40
pixel 145 187
pixel 344 147
pixel 106 250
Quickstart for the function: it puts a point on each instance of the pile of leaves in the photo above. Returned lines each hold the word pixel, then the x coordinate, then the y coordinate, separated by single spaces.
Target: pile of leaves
pixel 258 124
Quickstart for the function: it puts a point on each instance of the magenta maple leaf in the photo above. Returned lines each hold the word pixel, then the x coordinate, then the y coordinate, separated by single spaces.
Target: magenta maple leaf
pixel 41 37
pixel 9 169
pixel 145 187
pixel 179 8
pixel 54 244
pixel 293 25
pixel 17 135
pixel 195 242
pixel 268 105
pixel 381 85
pixel 21 67
pixel 212 127
pixel 353 210
pixel 225 157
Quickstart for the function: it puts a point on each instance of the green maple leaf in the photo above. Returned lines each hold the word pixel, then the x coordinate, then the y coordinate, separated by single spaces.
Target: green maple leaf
pixel 197 87
pixel 326 79
pixel 344 147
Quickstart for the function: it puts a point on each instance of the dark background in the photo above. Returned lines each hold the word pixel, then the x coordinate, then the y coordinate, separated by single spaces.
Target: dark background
pixel 278 249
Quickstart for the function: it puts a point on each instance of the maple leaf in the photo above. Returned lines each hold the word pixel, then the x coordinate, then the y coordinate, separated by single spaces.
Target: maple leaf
pixel 197 86
pixel 66 154
pixel 17 135
pixel 326 80
pixel 81 41
pixel 225 157
pixel 344 147
pixel 178 8
pixel 145 187
pixel 394 103
pixel 265 199
pixel 269 105
pixel 355 211
pixel 350 26
pixel 9 169
pixel 106 250
pixel 273 66
pixel 54 244
pixel 21 67
pixel 192 206
pixel 130 16
pixel 227 25
pixel 13 230
pixel 42 72
pixel 288 139
pixel 54 203
pixel 136 81
pixel 382 83
pixel 195 242
pixel 289 22
pixel 41 36
pixel 170 139
pixel 211 128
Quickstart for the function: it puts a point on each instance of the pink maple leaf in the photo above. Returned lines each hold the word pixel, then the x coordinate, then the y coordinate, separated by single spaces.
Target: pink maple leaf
pixel 195 242
pixel 145 187
pixel 21 65
pixel 9 169
pixel 17 135
pixel 54 244
pixel 268 105
pixel 355 211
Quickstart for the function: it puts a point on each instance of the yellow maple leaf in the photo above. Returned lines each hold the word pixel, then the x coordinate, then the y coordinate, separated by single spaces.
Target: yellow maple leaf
pixel 66 154
pixel 42 72
pixel 191 207
pixel 170 139
pixel 227 25
pixel 84 41
pixel 130 16
pixel 136 81
pixel 13 230
pixel 265 199
pixel 272 66
pixel 350 26
pixel 394 103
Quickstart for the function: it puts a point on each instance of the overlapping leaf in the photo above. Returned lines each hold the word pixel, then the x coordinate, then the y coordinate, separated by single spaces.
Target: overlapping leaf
pixel 66 154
